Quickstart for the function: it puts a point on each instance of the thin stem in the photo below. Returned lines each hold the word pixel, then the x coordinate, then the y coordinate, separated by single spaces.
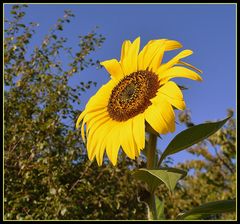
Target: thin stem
pixel 151 164
pixel 151 150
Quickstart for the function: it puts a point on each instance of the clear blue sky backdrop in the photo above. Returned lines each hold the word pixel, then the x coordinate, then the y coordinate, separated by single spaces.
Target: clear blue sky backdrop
pixel 207 29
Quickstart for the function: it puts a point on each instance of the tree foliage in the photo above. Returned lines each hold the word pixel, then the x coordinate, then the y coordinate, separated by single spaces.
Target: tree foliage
pixel 46 173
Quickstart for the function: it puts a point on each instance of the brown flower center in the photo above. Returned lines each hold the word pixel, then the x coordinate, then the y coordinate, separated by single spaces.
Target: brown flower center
pixel 132 95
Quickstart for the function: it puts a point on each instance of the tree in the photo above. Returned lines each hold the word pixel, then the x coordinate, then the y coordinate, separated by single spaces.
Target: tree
pixel 46 171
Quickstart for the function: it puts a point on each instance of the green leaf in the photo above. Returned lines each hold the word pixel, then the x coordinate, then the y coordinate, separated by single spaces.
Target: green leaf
pixel 13 12
pixel 54 36
pixel 160 209
pixel 21 25
pixel 59 27
pixel 154 178
pixel 191 136
pixel 209 209
pixel 156 213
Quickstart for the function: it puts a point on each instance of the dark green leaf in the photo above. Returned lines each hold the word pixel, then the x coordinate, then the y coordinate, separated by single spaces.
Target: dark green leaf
pixel 208 209
pixel 191 136
pixel 54 36
pixel 21 25
pixel 154 178
pixel 60 27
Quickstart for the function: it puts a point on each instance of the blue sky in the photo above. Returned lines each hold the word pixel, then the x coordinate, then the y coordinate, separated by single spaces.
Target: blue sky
pixel 207 29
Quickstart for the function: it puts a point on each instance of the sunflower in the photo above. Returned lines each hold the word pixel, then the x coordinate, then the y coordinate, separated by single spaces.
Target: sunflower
pixel 140 92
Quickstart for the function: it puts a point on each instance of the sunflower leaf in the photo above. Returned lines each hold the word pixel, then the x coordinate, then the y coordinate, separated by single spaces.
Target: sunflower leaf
pixel 155 177
pixel 209 209
pixel 160 209
pixel 191 136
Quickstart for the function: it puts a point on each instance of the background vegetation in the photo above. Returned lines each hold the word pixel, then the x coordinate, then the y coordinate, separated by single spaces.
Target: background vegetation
pixel 47 174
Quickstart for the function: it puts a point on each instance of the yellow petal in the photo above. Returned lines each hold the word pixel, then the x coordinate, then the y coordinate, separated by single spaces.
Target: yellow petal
pixel 100 148
pixel 166 111
pixel 99 141
pixel 172 45
pixel 129 62
pixel 171 92
pixel 142 54
pixel 97 153
pixel 174 61
pixel 154 118
pixel 100 99
pixel 93 114
pixel 157 59
pixel 81 116
pixel 114 68
pixel 126 138
pixel 137 150
pixel 178 71
pixel 160 116
pixel 82 130
pixel 139 130
pixel 89 116
pixel 110 126
pixel 154 52
pixel 91 122
pixel 148 52
pixel 96 104
pixel 93 136
pixel 125 47
pixel 113 144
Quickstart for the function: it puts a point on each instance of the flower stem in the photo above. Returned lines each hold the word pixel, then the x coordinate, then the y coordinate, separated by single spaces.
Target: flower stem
pixel 150 165
pixel 151 151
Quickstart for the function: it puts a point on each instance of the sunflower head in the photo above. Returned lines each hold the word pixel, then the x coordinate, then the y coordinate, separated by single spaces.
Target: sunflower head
pixel 139 91
pixel 132 95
